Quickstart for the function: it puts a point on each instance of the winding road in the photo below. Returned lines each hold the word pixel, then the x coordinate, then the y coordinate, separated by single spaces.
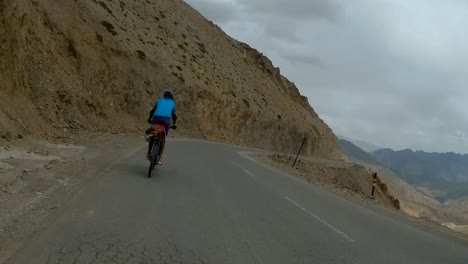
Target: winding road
pixel 211 204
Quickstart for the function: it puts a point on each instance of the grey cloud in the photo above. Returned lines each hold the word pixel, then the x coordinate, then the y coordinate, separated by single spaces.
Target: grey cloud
pixel 283 19
pixel 307 59
pixel 299 9
pixel 219 11
pixel 396 71
pixel 283 31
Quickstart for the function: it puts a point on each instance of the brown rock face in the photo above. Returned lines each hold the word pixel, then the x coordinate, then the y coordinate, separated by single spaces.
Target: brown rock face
pixel 99 65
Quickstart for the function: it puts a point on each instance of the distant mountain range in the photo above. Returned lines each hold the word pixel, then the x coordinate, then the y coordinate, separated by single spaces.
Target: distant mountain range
pixel 368 147
pixel 442 176
pixel 428 185
pixel 354 152
pixel 446 173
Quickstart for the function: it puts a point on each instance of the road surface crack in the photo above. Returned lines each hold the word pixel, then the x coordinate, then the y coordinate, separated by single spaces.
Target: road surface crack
pixel 94 248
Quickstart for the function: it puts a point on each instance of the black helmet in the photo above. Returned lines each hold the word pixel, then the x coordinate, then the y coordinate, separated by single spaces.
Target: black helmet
pixel 168 94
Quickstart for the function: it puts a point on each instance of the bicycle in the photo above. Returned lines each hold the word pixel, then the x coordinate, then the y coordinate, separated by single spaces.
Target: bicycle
pixel 158 134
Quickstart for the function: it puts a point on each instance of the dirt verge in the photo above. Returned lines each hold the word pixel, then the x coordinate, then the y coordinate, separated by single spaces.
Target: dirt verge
pixel 37 178
pixel 345 178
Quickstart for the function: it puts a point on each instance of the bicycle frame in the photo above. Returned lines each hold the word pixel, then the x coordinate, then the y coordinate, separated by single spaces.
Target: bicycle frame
pixel 158 137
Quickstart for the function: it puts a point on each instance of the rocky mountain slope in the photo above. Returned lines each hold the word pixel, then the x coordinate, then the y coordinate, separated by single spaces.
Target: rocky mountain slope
pixel 99 65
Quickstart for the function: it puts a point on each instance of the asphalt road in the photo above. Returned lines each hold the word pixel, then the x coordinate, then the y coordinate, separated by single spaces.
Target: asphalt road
pixel 209 204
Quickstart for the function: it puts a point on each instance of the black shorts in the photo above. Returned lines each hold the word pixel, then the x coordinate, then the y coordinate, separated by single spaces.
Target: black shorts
pixel 161 120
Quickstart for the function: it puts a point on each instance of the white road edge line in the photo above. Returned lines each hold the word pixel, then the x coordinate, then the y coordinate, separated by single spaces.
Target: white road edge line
pixel 248 172
pixel 336 230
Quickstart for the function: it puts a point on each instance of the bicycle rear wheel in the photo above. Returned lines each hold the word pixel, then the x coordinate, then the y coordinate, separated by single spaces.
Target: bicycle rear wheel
pixel 154 157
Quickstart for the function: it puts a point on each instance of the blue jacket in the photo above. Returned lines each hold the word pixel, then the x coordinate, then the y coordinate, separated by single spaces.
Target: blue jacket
pixel 165 107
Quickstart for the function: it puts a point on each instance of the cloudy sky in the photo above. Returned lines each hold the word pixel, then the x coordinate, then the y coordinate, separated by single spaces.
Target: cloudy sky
pixel 390 72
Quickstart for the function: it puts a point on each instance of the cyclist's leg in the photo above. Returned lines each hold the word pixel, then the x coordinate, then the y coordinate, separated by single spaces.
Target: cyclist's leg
pixel 166 122
pixel 163 142
pixel 150 145
pixel 151 140
pixel 161 149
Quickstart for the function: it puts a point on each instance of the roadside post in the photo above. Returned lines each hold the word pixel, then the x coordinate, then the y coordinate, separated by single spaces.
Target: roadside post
pixel 374 183
pixel 299 152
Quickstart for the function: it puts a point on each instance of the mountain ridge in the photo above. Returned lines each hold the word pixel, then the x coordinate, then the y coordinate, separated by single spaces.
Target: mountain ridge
pixel 368 147
pixel 95 65
pixel 354 152
pixel 446 173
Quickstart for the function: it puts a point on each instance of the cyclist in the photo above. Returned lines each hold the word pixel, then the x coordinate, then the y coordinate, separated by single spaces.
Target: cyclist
pixel 163 112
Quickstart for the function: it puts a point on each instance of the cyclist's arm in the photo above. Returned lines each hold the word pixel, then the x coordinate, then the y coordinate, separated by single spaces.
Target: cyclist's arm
pixel 174 116
pixel 152 113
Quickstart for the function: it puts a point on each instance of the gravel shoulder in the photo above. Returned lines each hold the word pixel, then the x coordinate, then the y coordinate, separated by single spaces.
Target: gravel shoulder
pixel 38 178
